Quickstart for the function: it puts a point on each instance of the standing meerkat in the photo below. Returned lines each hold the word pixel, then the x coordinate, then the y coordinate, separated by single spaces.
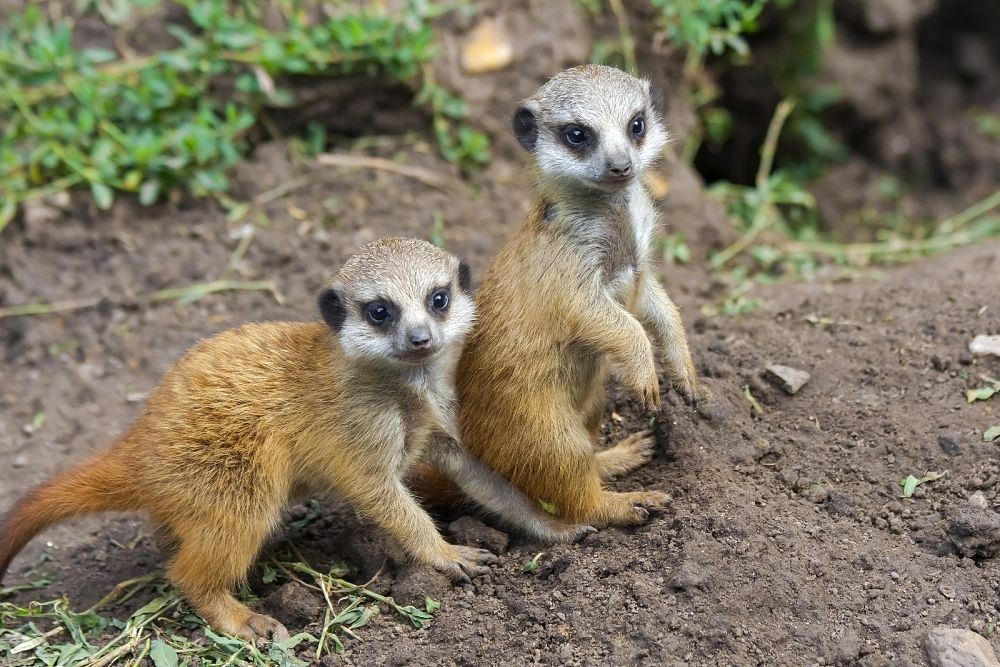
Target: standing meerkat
pixel 258 415
pixel 572 297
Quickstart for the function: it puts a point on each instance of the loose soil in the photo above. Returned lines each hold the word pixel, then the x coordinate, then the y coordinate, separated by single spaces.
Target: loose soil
pixel 787 541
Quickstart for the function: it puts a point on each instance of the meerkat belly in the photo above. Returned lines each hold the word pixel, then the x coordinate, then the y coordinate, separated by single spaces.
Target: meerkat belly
pixel 583 372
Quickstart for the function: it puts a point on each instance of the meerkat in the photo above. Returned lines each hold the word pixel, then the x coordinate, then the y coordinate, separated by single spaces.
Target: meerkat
pixel 259 415
pixel 571 298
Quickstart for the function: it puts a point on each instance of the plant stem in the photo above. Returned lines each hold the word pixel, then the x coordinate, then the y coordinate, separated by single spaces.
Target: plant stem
pixel 760 220
pixel 624 34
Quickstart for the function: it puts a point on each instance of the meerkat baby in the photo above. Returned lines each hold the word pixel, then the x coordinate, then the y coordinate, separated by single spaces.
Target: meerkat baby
pixel 258 415
pixel 572 297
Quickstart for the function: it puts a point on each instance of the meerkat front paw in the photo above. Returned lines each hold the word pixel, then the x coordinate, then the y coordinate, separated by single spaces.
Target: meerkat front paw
pixel 462 563
pixel 683 377
pixel 643 384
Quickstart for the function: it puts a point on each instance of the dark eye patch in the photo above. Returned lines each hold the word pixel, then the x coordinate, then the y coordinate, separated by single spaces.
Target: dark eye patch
pixel 439 300
pixel 637 127
pixel 379 313
pixel 578 138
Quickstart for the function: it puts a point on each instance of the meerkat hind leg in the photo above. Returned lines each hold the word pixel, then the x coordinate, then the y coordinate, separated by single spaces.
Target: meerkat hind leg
pixel 628 454
pixel 207 566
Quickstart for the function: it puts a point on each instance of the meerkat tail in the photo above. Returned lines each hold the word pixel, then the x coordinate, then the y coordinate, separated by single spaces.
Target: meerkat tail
pixel 97 485
pixel 435 488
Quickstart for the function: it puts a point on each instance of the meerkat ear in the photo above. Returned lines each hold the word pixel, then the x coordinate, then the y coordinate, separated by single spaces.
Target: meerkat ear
pixel 525 127
pixel 465 277
pixel 655 97
pixel 332 309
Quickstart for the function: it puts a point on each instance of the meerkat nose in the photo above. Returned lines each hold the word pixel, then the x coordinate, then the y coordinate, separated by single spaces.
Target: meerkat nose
pixel 620 167
pixel 419 337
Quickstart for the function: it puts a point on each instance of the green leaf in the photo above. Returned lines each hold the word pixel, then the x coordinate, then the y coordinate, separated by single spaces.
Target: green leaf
pixel 103 195
pixel 991 434
pixel 911 483
pixel 532 565
pixel 149 192
pixel 548 507
pixel 162 654
pixel 431 605
pixel 7 211
pixel 755 406
pixel 981 394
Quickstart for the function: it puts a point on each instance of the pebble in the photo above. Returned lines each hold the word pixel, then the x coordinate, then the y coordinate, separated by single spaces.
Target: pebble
pixel 948 442
pixel 788 379
pixel 953 647
pixel 688 575
pixel 977 499
pixel 983 345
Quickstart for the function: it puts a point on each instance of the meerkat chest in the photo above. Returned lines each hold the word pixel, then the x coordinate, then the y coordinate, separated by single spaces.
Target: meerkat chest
pixel 427 411
pixel 629 248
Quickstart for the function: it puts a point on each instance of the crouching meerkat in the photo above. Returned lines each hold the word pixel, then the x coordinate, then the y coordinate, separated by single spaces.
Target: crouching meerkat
pixel 572 297
pixel 258 415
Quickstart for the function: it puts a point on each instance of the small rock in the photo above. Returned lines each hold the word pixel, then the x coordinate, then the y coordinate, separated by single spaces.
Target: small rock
pixel 474 533
pixel 848 648
pixel 294 605
pixel 965 358
pixel 948 442
pixel 951 647
pixel 415 582
pixel 982 345
pixel 687 576
pixel 975 532
pixel 788 379
pixel 977 499
pixel 939 364
pixel 20 461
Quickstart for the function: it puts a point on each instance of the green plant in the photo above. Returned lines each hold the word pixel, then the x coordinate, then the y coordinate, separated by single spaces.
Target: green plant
pixel 151 124
pixel 710 26
pixel 780 231
pixel 164 630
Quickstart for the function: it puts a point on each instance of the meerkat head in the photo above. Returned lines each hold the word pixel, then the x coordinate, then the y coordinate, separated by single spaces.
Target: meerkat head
pixel 399 300
pixel 592 127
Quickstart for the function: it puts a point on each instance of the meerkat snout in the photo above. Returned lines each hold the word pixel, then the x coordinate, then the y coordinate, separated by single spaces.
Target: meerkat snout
pixel 420 307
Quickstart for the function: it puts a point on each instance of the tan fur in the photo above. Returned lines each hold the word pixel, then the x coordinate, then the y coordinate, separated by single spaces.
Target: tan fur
pixel 255 416
pixel 570 299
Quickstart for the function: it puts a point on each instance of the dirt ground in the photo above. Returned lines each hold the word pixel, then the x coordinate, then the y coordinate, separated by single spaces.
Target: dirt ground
pixel 787 541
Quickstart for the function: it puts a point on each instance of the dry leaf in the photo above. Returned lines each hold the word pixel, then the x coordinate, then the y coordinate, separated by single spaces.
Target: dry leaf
pixel 657 184
pixel 487 48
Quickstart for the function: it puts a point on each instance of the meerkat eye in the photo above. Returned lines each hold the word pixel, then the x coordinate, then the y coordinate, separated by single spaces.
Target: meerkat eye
pixel 377 313
pixel 638 126
pixel 574 136
pixel 440 300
